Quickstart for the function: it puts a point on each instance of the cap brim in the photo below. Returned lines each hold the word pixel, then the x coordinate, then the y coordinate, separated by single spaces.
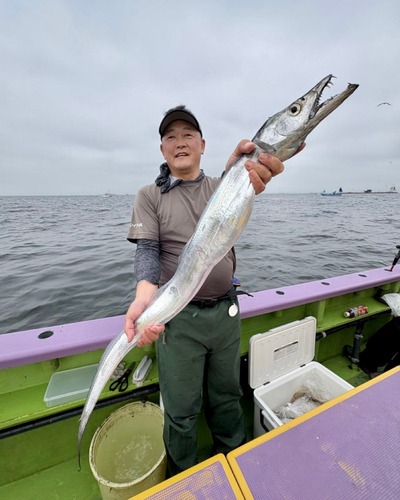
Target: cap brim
pixel 178 115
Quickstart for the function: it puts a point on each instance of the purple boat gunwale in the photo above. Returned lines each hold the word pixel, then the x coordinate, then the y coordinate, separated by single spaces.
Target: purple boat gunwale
pixel 25 347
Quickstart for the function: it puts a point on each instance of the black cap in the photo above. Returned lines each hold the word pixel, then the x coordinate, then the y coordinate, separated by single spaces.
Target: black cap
pixel 178 113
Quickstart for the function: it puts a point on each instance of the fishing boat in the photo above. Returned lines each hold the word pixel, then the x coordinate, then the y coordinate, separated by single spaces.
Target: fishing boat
pixel 38 445
pixel 333 193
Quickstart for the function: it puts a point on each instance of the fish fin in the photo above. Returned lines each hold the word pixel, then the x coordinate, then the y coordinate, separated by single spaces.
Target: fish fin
pixel 267 148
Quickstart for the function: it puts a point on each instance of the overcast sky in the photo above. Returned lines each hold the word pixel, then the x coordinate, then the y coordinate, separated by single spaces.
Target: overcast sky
pixel 84 84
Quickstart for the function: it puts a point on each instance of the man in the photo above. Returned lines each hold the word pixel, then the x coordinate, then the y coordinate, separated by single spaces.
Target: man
pixel 199 349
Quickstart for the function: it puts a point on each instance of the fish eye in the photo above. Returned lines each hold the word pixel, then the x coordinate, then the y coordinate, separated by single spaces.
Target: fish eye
pixel 295 109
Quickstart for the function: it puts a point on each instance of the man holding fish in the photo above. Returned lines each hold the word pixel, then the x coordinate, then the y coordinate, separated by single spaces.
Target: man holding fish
pixel 185 226
pixel 199 349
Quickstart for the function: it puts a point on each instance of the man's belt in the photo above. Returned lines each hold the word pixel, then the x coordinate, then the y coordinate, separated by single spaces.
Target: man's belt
pixel 208 303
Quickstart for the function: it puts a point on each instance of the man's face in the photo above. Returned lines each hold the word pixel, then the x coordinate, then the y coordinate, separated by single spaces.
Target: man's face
pixel 182 147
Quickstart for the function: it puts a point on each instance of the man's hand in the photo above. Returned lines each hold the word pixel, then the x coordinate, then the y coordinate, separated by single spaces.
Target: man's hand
pixel 260 173
pixel 144 291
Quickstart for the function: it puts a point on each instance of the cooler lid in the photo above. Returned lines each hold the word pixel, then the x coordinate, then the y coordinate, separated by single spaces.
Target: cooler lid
pixel 281 350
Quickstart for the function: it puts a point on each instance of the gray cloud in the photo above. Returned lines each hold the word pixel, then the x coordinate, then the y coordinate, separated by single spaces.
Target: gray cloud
pixel 83 87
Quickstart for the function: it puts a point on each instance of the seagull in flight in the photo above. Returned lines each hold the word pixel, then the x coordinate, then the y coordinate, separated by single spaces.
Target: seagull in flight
pixel 388 103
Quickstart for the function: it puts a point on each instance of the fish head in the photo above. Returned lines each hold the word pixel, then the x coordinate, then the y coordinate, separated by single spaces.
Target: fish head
pixel 284 133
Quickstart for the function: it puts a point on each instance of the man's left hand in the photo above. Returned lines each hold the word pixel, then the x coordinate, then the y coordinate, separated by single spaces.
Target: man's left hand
pixel 260 172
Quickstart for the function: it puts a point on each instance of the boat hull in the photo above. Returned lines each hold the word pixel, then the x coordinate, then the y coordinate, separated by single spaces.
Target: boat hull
pixel 38 446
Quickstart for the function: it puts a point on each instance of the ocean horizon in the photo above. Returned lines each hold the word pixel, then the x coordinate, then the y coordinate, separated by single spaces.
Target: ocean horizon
pixel 65 258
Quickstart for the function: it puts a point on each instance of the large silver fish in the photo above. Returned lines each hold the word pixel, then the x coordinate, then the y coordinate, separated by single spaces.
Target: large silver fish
pixel 220 225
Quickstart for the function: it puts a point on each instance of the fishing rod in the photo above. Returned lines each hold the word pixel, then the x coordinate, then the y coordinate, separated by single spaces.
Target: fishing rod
pixel 396 259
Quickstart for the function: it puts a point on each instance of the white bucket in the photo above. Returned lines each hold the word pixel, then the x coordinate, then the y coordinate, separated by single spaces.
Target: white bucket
pixel 127 454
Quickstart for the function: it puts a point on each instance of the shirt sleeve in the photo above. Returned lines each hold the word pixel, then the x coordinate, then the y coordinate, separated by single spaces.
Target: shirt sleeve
pixel 147 261
pixel 144 223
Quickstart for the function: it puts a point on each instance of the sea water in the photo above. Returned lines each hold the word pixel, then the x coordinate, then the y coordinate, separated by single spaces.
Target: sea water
pixel 130 449
pixel 65 259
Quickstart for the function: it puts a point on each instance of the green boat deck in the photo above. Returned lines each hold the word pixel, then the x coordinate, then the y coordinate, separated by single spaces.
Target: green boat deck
pixel 51 472
pixel 40 461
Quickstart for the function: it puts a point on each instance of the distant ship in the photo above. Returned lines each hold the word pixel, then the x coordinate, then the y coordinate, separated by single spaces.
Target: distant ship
pixel 334 193
pixel 392 190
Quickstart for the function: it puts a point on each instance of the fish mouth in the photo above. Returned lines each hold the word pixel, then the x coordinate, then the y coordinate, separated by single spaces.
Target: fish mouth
pixel 320 109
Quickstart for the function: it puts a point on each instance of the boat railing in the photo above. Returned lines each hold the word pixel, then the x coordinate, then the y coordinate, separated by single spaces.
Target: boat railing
pixel 43 344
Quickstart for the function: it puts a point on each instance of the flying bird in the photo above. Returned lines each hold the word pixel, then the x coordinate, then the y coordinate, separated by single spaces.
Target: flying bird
pixel 388 103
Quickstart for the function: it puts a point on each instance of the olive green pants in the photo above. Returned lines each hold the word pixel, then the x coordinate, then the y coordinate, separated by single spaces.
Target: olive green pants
pixel 200 355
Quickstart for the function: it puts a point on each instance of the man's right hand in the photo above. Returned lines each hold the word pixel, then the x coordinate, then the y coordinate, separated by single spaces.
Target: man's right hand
pixel 144 291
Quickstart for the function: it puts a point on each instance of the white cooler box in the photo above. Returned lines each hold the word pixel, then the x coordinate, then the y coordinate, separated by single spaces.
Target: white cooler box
pixel 280 360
